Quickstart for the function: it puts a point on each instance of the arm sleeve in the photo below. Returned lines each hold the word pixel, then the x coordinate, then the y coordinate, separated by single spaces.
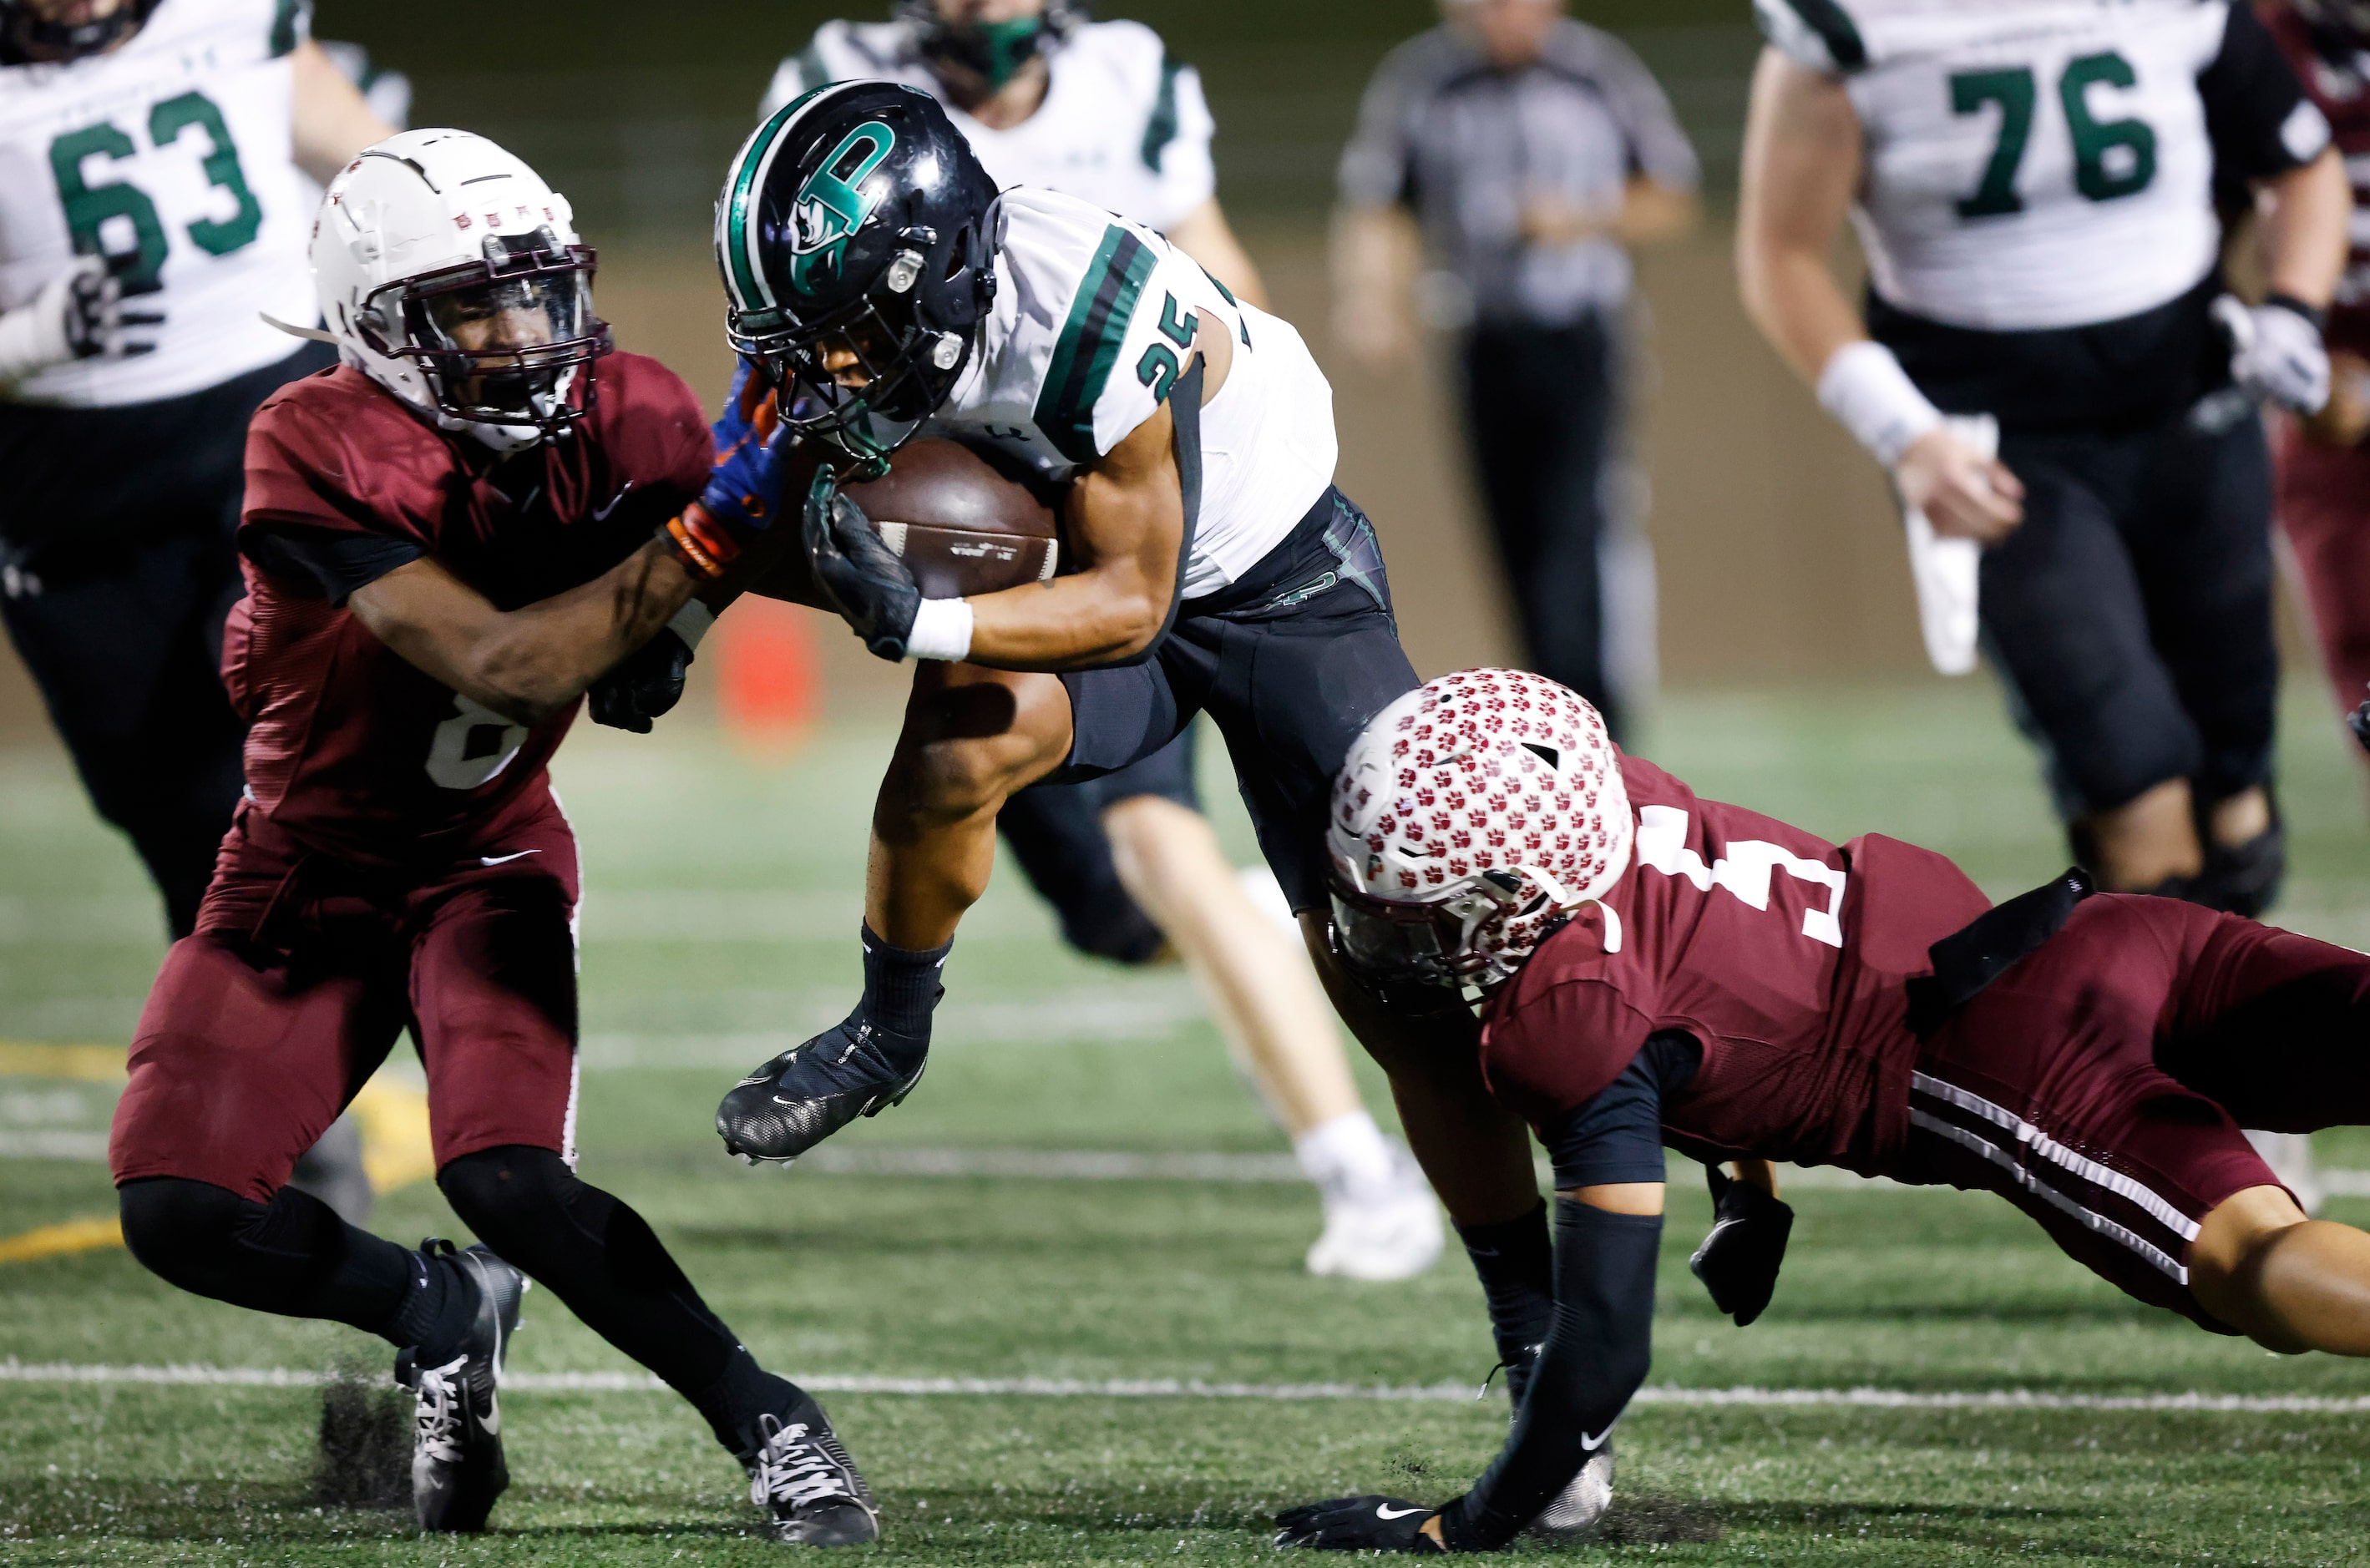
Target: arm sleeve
pixel 1617 1136
pixel 335 564
pixel 2257 115
pixel 1595 1360
pixel 1659 149
pixel 1177 143
pixel 1378 168
pixel 1596 1352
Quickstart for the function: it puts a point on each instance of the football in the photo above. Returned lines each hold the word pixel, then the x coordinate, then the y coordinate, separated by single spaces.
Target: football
pixel 962 525
pixel 962 522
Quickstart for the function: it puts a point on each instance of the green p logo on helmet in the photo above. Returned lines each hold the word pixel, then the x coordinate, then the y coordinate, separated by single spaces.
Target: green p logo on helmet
pixel 830 208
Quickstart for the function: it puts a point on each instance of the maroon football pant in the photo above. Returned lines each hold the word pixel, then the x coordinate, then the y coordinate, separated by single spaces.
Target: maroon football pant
pixel 2101 1083
pixel 2323 499
pixel 304 969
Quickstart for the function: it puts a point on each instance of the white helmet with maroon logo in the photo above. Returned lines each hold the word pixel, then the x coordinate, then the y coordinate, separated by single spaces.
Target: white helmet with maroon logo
pixel 1471 817
pixel 450 273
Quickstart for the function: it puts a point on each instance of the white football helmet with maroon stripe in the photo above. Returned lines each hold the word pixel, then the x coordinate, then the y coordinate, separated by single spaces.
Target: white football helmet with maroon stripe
pixel 1470 818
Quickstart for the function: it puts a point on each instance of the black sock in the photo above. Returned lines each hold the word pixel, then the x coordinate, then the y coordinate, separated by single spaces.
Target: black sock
pixel 746 1391
pixel 436 1312
pixel 1516 1263
pixel 900 987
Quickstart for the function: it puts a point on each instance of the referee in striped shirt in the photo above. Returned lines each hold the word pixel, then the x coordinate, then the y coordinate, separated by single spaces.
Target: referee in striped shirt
pixel 1525 152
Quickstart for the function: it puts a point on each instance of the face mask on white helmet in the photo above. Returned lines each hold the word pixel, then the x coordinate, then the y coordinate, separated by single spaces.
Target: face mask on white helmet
pixel 1470 818
pixel 450 273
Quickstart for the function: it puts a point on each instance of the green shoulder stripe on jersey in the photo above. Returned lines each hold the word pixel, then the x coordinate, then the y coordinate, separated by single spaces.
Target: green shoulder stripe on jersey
pixel 284 26
pixel 1161 129
pixel 812 72
pixel 1089 345
pixel 1825 18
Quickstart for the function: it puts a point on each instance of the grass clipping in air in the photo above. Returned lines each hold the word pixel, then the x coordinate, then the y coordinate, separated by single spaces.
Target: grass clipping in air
pixel 365 1453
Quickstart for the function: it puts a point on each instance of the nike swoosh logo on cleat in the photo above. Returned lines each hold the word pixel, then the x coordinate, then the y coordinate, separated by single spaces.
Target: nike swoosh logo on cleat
pixel 1384 1511
pixel 492 1420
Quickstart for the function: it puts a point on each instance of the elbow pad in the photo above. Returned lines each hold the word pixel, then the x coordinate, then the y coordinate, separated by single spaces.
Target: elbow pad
pixel 1594 1358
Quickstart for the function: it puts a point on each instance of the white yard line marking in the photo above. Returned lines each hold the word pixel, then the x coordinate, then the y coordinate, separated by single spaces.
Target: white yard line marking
pixel 14 1371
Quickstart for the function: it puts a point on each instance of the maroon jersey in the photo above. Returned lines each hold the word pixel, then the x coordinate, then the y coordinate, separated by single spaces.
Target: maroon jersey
pixel 2337 78
pixel 353 748
pixel 1784 955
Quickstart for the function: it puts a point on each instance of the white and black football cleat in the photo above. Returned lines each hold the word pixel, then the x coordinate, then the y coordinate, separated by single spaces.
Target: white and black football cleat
pixel 808 1485
pixel 458 1469
pixel 812 1089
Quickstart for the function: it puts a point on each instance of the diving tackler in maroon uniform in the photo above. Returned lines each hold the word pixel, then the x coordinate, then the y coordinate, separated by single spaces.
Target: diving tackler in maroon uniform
pixel 1662 969
pixel 446 540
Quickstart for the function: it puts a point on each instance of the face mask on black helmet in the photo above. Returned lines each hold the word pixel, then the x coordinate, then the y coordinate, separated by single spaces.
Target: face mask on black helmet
pixel 31 36
pixel 855 234
pixel 993 52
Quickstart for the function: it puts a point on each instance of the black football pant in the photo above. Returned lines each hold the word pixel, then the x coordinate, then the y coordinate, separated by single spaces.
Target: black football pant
pixel 1542 407
pixel 2130 615
pixel 294 1257
pixel 118 563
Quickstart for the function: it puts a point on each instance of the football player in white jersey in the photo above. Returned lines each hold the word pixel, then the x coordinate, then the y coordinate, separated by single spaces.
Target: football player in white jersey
pixel 151 209
pixel 1099 110
pixel 882 286
pixel 2031 181
pixel 154 164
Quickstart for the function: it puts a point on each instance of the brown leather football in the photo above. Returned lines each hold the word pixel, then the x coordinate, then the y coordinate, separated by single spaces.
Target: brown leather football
pixel 962 525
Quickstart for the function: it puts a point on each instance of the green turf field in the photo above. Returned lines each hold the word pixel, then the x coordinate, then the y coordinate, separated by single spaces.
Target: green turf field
pixel 708 950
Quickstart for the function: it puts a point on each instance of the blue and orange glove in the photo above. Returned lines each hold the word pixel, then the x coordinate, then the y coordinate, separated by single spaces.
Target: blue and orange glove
pixel 745 489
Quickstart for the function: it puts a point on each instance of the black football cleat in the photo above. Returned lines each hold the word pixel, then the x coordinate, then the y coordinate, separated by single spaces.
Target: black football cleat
pixel 456 1448
pixel 806 1482
pixel 811 1091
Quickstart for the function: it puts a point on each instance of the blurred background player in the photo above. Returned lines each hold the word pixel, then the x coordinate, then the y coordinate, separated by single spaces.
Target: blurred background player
pixel 2032 184
pixel 164 174
pixel 448 540
pixel 2323 475
pixel 1097 110
pixel 1526 151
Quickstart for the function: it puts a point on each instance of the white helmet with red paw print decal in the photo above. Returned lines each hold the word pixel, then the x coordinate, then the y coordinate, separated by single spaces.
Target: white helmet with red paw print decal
pixel 1471 817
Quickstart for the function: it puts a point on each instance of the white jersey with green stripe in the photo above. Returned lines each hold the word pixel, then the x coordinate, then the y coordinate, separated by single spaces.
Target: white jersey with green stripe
pixel 2031 164
pixel 1092 322
pixel 173 155
pixel 1122 125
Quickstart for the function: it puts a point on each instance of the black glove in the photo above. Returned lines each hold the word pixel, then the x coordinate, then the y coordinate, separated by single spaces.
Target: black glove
pixel 1371 1523
pixel 1738 1261
pixel 2358 721
pixel 645 684
pixel 870 588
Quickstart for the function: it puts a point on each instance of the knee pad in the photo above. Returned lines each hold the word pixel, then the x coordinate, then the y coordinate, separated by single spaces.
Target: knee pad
pixel 509 1193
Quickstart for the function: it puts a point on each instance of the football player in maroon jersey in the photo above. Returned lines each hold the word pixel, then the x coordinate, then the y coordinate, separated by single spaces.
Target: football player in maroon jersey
pixel 1660 970
pixel 447 539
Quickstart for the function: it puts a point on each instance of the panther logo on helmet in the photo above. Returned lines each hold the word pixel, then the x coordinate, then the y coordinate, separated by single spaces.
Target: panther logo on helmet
pixel 831 205
pixel 1471 817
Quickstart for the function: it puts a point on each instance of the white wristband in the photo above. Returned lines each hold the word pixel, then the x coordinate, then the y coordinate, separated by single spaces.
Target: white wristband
pixel 691 622
pixel 941 630
pixel 1865 389
pixel 33 336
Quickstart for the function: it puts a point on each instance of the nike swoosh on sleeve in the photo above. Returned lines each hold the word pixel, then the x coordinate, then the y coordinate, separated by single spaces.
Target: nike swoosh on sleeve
pixel 1592 1444
pixel 505 858
pixel 1384 1511
pixel 601 514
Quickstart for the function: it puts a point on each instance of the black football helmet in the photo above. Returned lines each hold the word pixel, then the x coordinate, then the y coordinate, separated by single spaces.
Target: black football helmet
pixel 856 237
pixel 29 37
